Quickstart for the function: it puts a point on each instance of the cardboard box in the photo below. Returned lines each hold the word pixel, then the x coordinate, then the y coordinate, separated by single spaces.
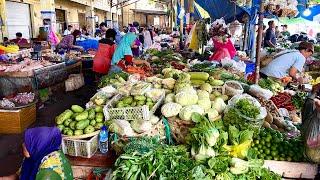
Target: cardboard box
pixel 16 121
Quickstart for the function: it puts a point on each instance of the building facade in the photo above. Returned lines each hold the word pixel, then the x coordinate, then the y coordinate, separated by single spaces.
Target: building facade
pixel 146 12
pixel 27 16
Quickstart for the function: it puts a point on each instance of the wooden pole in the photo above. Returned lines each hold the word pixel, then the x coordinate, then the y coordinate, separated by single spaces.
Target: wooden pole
pixel 259 40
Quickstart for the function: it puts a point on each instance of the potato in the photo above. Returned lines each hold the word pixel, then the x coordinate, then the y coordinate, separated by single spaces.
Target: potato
pixel 269 118
pixel 266 124
pixel 278 121
pixel 273 126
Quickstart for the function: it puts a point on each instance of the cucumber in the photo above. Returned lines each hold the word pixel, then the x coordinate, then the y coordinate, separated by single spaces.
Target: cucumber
pixel 98 126
pixel 140 98
pixel 82 124
pixel 199 76
pixel 61 127
pixel 127 100
pixel 77 109
pixel 67 122
pixel 82 116
pixel 93 122
pixel 78 132
pixel 72 125
pixel 92 114
pixel 98 109
pixel 89 129
pixel 64 116
pixel 70 133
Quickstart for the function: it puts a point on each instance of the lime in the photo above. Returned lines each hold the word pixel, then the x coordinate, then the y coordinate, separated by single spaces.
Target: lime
pixel 283 155
pixel 268 145
pixel 267 151
pixel 256 148
pixel 289 159
pixel 256 142
pixel 261 150
pixel 282 159
pixel 274 153
pixel 259 146
pixel 269 158
pixel 273 148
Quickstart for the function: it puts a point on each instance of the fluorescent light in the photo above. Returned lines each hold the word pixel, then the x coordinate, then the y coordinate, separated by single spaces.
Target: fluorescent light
pixel 307 12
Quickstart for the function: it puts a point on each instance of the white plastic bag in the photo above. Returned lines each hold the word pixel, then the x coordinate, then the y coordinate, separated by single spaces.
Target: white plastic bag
pixel 259 92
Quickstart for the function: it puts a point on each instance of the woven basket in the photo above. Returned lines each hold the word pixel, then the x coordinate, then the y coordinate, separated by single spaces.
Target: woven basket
pixel 180 129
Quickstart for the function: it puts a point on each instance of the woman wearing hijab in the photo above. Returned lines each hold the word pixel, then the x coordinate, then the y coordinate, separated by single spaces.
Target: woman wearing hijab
pixel 123 55
pixel 136 45
pixel 69 41
pixel 43 160
pixel 102 59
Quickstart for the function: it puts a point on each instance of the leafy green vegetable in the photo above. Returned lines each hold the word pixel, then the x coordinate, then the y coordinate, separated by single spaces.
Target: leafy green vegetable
pixel 142 144
pixel 247 108
pixel 113 78
pixel 219 164
pixel 299 99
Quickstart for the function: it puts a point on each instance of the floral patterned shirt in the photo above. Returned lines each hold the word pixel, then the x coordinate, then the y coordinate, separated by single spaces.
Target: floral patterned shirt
pixel 57 162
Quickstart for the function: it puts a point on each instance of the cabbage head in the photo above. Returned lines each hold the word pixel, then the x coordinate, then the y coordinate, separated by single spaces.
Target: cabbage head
pixel 170 109
pixel 185 98
pixel 186 112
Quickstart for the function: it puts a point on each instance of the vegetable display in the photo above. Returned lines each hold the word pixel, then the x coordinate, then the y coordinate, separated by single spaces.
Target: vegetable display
pixel 283 100
pixel 79 121
pixel 135 101
pixel 273 145
pixel 114 78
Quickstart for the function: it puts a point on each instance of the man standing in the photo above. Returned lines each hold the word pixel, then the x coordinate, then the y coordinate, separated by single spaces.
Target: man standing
pixel 68 30
pixel 270 37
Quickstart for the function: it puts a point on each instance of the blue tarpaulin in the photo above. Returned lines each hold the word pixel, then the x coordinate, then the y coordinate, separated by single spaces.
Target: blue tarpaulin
pixel 226 9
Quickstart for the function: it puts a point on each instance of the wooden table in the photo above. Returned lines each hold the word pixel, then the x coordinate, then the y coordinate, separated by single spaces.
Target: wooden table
pixel 82 167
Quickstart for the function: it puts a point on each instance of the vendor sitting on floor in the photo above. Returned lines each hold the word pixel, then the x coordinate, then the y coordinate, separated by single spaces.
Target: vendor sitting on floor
pixel 68 42
pixel 123 56
pixel 43 159
pixel 288 63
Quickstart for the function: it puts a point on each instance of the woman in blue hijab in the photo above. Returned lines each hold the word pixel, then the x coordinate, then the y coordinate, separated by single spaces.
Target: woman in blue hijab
pixel 123 55
pixel 43 159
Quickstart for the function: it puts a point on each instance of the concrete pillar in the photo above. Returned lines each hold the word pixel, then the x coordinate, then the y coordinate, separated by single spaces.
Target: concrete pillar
pixel 90 18
pixel 3 28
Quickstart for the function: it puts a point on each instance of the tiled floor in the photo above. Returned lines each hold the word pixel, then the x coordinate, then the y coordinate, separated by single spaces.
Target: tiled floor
pixel 10 145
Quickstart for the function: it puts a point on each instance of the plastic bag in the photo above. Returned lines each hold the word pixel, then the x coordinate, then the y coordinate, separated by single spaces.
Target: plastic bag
pixel 311 129
pixel 232 88
pixel 259 92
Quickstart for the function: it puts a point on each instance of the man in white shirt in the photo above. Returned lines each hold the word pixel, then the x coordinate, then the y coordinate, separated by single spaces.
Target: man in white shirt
pixel 68 31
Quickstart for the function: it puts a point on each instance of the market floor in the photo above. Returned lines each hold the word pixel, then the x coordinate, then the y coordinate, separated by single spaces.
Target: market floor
pixel 10 145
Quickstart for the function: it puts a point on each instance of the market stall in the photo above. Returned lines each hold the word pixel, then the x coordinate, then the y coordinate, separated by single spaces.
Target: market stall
pixel 207 118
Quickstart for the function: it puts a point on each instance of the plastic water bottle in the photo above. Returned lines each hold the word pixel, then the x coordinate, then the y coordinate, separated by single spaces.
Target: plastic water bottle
pixel 103 140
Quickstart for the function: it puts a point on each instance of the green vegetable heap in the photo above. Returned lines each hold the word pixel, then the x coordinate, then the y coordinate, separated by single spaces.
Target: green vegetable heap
pixel 247 108
pixel 299 99
pixel 272 145
pixel 237 116
pixel 78 121
pixel 113 78
pixel 135 101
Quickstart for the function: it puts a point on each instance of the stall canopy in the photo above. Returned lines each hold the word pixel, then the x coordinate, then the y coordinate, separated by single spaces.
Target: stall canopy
pixel 315 10
pixel 226 9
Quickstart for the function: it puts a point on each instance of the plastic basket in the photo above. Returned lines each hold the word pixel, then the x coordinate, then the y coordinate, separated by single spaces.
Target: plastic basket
pixel 83 148
pixel 129 113
pixel 232 91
